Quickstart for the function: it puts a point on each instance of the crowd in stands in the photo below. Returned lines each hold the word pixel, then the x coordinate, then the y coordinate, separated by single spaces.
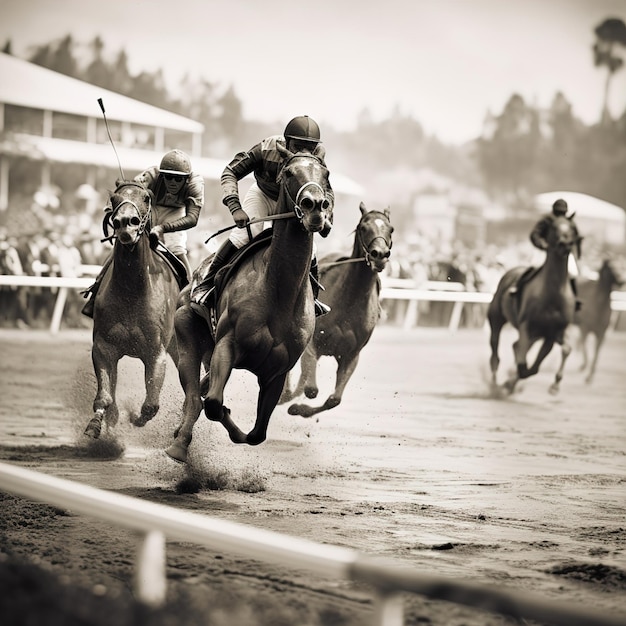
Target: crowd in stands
pixel 71 250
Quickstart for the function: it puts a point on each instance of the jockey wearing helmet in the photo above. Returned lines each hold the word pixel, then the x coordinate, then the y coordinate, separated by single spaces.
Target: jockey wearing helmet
pixel 179 198
pixel 538 238
pixel 264 161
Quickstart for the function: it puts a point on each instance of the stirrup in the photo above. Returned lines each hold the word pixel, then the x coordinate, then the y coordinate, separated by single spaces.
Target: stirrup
pixel 321 308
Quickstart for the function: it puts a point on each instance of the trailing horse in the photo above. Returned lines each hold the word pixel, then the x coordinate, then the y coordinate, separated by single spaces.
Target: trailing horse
pixel 595 315
pixel 133 309
pixel 543 310
pixel 352 289
pixel 264 314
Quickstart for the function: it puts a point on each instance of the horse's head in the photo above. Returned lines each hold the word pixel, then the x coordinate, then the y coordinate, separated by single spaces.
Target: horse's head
pixel 131 205
pixel 563 235
pixel 610 275
pixel 373 234
pixel 304 180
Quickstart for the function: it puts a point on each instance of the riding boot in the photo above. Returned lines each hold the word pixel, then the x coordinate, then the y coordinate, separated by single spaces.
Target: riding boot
pixel 185 261
pixel 579 304
pixel 91 292
pixel 222 257
pixel 320 307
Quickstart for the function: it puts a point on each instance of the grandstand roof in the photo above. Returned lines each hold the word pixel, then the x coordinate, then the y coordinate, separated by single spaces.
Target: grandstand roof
pixel 29 85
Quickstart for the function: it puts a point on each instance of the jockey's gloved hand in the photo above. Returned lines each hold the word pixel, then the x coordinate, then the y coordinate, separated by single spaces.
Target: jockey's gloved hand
pixel 241 218
pixel 156 234
pixel 239 215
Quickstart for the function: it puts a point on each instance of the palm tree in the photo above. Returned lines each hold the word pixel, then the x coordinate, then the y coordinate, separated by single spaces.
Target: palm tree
pixel 610 33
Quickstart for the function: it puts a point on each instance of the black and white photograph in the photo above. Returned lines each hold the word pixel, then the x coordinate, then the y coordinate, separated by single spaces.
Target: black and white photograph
pixel 313 314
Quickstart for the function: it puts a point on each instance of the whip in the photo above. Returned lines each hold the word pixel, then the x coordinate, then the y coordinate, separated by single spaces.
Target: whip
pixel 106 123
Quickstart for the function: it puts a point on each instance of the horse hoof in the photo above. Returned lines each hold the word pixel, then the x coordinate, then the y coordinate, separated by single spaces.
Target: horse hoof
pixel 93 429
pixel 177 452
pixel 311 392
pixel 254 439
pixel 213 410
pixel 303 410
pixel 554 390
pixel 294 409
pixel 508 387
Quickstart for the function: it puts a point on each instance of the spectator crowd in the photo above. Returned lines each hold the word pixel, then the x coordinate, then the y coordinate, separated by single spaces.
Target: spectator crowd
pixel 70 251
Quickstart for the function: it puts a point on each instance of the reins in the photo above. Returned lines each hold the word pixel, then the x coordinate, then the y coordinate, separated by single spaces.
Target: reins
pixel 256 220
pixel 295 212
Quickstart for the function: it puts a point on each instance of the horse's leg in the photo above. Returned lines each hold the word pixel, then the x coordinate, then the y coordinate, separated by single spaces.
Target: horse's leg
pixel 268 399
pixel 154 377
pixel 520 350
pixel 289 393
pixel 189 334
pixel 105 368
pixel 220 368
pixel 309 372
pixel 308 360
pixel 582 344
pixel 172 349
pixel 566 349
pixel 544 350
pixel 599 339
pixel 345 369
pixel 496 322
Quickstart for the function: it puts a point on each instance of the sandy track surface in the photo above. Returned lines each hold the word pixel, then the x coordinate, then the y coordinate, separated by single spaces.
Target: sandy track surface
pixel 421 463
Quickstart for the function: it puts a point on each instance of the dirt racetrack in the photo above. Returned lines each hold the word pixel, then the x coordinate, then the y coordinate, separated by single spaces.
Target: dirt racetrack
pixel 421 463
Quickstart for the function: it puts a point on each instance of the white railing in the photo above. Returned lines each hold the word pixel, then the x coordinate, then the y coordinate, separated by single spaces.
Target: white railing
pixel 434 291
pixel 393 289
pixel 387 578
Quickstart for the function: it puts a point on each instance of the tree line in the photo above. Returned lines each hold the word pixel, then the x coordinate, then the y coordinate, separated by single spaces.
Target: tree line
pixel 523 150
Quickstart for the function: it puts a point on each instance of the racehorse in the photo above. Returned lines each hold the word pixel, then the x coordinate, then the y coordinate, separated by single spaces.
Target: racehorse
pixel 543 310
pixel 352 289
pixel 265 313
pixel 133 309
pixel 595 314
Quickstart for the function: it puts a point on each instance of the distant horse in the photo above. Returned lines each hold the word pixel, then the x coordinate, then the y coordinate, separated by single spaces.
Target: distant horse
pixel 543 310
pixel 595 314
pixel 265 314
pixel 133 309
pixel 352 289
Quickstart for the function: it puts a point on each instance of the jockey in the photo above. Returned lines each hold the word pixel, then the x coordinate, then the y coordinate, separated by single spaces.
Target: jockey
pixel 264 161
pixel 179 198
pixel 538 237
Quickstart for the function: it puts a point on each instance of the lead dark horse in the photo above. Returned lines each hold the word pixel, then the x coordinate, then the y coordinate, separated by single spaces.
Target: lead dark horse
pixel 265 313
pixel 595 315
pixel 352 289
pixel 133 309
pixel 543 310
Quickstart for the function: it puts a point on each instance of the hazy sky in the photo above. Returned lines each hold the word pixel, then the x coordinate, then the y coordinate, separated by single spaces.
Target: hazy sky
pixel 445 62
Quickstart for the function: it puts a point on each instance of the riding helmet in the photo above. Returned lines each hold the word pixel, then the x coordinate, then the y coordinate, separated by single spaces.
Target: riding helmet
pixel 175 162
pixel 559 207
pixel 303 128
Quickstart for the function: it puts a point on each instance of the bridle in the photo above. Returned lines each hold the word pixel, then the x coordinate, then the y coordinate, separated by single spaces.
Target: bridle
pixel 296 202
pixel 366 247
pixel 143 219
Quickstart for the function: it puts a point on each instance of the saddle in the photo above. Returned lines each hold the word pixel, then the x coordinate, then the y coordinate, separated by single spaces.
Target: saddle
pixel 175 264
pixel 204 296
pixel 524 277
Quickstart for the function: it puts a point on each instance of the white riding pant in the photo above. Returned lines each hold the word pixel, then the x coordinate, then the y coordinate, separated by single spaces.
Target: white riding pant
pixel 256 204
pixel 176 241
